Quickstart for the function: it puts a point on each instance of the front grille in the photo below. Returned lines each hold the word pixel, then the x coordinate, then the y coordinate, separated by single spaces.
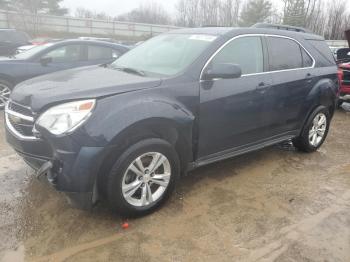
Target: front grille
pixel 20 120
pixel 22 126
pixel 20 109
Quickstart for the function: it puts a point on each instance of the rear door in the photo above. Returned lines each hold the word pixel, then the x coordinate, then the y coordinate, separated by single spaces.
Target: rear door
pixel 291 68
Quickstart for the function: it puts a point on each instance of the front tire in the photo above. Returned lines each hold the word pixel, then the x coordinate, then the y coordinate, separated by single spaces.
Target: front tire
pixel 143 177
pixel 5 91
pixel 314 132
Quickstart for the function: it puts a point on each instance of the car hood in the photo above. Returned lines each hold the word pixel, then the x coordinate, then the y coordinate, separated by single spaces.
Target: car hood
pixel 79 83
pixel 5 59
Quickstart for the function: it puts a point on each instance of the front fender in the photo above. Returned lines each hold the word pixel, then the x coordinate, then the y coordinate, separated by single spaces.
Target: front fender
pixel 114 115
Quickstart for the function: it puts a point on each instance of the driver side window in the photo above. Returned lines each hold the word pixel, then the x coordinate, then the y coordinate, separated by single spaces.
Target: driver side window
pixel 247 52
pixel 69 53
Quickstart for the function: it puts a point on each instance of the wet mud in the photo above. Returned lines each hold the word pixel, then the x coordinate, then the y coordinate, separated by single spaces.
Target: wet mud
pixel 276 204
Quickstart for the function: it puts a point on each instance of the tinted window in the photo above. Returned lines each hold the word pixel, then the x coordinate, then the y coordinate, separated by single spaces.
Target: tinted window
pixel 101 52
pixel 69 53
pixel 247 52
pixel 284 54
pixel 323 49
pixel 307 60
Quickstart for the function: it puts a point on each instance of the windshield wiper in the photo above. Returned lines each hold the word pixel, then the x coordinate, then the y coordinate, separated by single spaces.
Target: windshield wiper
pixel 131 70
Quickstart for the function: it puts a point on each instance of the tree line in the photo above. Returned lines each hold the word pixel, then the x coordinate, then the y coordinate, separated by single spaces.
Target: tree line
pixel 329 18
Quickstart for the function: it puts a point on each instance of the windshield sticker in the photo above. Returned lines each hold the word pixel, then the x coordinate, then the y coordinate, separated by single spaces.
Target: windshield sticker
pixel 208 38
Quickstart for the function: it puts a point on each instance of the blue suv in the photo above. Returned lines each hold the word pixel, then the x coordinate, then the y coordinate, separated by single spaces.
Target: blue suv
pixel 128 130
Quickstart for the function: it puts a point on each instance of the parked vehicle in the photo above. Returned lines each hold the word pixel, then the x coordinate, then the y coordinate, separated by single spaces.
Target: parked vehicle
pixel 35 42
pixel 24 48
pixel 343 60
pixel 344 80
pixel 45 40
pixel 10 39
pixel 179 101
pixel 334 50
pixel 53 57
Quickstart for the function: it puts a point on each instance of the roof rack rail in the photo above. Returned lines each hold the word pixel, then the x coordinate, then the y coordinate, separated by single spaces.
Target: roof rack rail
pixel 282 27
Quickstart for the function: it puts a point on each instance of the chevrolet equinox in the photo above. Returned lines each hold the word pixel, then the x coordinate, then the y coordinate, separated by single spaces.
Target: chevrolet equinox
pixel 126 131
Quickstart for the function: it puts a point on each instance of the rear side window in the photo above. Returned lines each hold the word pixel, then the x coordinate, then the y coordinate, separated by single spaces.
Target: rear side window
pixel 101 52
pixel 307 60
pixel 284 54
pixel 323 49
pixel 247 52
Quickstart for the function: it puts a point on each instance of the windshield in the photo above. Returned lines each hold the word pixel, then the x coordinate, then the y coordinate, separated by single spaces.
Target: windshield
pixel 167 54
pixel 33 51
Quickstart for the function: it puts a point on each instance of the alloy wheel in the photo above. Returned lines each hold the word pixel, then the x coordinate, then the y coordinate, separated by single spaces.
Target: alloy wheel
pixel 146 179
pixel 318 129
pixel 5 92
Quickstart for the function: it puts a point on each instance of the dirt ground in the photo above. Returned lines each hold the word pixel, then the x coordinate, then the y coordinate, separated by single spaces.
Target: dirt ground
pixel 272 205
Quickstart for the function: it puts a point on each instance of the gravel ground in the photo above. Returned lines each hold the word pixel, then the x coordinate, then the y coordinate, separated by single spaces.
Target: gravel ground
pixel 276 204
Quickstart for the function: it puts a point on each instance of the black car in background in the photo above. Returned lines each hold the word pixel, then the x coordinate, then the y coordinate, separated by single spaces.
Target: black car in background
pixel 52 57
pixel 10 40
pixel 127 131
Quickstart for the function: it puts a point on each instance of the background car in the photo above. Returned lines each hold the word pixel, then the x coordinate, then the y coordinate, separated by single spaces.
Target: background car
pixel 54 57
pixel 344 80
pixel 24 48
pixel 10 40
pixel 343 61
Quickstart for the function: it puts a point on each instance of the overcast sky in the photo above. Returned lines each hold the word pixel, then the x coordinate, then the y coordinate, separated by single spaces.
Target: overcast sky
pixel 115 7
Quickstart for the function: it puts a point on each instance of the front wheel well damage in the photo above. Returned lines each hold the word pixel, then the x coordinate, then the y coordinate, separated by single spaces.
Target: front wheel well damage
pixel 156 128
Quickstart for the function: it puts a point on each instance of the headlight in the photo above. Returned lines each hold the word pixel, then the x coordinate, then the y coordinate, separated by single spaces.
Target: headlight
pixel 66 117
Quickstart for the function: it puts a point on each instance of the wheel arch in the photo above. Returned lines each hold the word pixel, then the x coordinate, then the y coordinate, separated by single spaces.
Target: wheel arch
pixel 324 94
pixel 175 133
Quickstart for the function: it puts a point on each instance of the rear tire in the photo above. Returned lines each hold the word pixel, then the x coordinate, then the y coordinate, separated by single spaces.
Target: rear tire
pixel 5 91
pixel 136 186
pixel 314 132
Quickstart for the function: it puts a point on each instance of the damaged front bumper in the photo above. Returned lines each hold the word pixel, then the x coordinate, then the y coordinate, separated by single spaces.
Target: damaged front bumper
pixel 72 169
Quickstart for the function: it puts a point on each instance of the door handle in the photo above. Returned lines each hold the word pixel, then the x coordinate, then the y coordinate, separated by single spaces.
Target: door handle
pixel 308 77
pixel 261 87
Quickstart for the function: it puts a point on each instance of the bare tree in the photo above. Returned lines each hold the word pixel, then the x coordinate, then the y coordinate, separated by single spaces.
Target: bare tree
pixel 255 11
pixel 152 13
pixel 86 13
pixel 229 12
pixel 188 13
pixel 336 20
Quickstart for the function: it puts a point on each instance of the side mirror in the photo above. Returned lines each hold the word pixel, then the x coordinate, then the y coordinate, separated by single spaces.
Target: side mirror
pixel 223 71
pixel 343 54
pixel 44 61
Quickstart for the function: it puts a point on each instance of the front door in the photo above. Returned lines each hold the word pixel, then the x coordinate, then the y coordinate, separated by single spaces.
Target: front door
pixel 231 110
pixel 61 58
